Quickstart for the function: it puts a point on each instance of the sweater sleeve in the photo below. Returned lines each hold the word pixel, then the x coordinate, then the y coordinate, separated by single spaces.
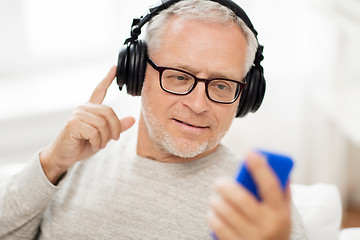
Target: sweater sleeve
pixel 23 199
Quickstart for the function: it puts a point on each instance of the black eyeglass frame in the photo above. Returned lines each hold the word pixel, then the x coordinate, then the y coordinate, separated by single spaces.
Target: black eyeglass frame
pixel 240 85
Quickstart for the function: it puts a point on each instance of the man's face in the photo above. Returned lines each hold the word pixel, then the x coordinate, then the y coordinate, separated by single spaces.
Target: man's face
pixel 190 126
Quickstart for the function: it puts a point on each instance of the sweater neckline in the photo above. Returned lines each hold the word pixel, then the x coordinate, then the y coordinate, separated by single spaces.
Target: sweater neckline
pixel 142 163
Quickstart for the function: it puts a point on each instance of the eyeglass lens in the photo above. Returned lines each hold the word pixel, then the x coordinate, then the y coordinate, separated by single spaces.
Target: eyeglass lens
pixel 179 82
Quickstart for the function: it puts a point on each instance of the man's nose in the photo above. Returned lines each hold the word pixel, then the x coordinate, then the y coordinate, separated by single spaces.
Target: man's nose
pixel 197 100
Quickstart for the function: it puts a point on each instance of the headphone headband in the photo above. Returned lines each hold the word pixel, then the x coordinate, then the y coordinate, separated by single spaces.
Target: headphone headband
pixel 138 23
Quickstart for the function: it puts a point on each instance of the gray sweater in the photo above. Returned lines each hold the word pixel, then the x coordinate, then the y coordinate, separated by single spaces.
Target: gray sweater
pixel 117 194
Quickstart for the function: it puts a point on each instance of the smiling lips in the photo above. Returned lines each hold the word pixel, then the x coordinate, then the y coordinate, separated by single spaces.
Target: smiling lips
pixel 188 124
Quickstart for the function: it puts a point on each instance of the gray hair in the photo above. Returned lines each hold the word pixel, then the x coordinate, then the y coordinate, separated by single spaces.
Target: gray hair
pixel 201 10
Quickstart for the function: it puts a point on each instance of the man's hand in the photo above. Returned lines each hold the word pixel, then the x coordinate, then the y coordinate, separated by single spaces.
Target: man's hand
pixel 236 214
pixel 88 130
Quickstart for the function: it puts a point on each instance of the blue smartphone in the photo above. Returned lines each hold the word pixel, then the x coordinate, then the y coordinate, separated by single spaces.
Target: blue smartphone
pixel 281 164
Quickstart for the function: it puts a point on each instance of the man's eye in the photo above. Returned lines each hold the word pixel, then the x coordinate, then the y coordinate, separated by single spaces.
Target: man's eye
pixel 180 77
pixel 221 86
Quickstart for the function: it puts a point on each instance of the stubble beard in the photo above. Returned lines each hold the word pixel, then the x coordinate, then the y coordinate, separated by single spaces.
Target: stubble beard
pixel 180 147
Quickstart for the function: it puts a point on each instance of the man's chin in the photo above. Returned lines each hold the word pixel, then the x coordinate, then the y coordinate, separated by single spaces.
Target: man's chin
pixel 185 148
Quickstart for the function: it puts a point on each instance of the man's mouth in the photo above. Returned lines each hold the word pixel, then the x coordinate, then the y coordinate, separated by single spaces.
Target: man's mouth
pixel 188 124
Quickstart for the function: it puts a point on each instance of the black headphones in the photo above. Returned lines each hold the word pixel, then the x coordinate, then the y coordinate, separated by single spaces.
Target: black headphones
pixel 132 60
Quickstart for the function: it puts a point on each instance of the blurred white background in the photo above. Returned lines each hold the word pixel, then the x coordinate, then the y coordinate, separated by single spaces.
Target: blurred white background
pixel 53 53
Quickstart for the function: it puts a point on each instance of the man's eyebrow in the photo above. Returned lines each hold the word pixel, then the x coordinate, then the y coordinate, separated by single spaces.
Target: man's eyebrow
pixel 195 72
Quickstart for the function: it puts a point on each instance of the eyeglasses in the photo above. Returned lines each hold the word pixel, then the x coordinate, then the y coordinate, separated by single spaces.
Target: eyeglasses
pixel 180 82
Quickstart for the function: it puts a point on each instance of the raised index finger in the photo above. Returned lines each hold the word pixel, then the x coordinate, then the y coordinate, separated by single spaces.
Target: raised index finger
pixel 99 93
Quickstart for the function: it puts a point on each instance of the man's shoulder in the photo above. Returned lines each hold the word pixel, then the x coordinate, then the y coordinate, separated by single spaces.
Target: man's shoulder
pixel 226 160
pixel 228 155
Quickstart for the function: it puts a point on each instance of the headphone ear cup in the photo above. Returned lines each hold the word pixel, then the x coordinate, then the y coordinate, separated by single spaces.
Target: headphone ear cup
pixel 261 91
pixel 252 96
pixel 140 67
pixel 131 67
pixel 244 99
pixel 121 70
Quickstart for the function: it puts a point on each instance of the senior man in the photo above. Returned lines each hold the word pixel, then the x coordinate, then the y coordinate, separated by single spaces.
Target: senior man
pixel 157 185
